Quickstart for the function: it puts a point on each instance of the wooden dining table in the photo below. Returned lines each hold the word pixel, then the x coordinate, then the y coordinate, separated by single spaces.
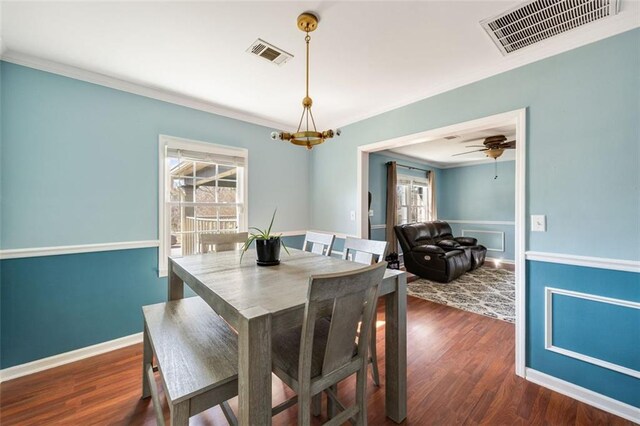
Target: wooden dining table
pixel 258 301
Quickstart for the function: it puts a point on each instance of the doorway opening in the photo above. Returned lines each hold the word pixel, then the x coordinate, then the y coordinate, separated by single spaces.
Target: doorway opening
pixel 440 145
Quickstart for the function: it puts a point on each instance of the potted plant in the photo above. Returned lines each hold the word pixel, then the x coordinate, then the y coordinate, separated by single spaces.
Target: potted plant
pixel 267 245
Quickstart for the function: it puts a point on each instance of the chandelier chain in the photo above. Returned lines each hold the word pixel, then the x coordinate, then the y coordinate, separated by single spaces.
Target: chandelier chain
pixel 307 39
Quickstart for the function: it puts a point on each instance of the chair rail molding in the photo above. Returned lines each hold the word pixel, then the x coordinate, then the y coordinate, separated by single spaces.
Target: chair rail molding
pixel 587 261
pixel 482 222
pixel 75 249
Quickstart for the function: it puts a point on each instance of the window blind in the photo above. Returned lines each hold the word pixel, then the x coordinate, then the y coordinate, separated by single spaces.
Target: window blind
pixel 226 160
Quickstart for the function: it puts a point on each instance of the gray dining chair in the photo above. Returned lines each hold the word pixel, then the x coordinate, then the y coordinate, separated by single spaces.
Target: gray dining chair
pixel 318 242
pixel 222 242
pixel 316 356
pixel 367 252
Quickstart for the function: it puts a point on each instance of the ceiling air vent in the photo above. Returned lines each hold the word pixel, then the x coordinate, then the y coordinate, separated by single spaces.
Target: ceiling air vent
pixel 269 52
pixel 537 20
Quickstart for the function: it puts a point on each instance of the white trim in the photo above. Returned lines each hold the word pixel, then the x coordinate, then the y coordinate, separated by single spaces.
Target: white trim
pixel 381 226
pixel 587 396
pixel 498 260
pixel 519 119
pixel 337 234
pixel 135 88
pixel 548 328
pixel 165 142
pixel 501 249
pixel 290 233
pixel 481 222
pixel 80 248
pixel 587 261
pixel 68 357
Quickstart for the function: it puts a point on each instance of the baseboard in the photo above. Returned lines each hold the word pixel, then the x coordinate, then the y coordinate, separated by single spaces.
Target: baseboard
pixel 587 396
pixel 68 357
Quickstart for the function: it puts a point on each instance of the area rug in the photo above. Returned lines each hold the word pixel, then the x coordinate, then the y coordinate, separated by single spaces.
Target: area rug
pixel 485 291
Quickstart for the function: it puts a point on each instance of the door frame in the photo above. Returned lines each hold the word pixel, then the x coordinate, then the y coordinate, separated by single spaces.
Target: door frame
pixel 517 117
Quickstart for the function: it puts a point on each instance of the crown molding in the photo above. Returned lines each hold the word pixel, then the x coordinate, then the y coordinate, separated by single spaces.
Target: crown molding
pixel 574 39
pixel 135 88
pixel 612 26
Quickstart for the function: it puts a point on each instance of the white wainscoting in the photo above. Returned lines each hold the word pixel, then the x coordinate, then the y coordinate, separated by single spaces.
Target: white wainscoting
pixel 548 327
pixel 501 248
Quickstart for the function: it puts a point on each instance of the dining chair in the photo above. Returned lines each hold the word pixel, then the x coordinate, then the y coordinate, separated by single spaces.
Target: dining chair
pixel 222 242
pixel 319 243
pixel 316 356
pixel 367 252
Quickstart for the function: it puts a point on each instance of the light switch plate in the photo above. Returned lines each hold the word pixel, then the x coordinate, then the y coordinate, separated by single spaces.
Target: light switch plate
pixel 370 213
pixel 538 223
pixel 353 215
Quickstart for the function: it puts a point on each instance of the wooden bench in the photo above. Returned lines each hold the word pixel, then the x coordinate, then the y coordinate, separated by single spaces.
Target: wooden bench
pixel 197 355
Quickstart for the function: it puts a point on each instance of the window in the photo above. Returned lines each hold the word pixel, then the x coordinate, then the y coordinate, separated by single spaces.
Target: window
pixel 412 200
pixel 202 191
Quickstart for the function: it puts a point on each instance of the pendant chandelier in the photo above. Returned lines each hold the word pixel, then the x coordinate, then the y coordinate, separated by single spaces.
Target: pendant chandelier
pixel 306 134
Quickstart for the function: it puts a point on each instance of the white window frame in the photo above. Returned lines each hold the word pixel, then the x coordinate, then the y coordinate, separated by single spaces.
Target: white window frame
pixel 422 181
pixel 170 142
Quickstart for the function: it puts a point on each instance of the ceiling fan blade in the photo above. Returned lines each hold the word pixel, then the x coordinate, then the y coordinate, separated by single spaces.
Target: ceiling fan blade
pixel 469 152
pixel 509 145
pixel 475 146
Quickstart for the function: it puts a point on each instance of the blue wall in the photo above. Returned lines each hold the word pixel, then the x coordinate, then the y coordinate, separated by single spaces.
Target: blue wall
pixel 583 172
pixel 472 194
pixel 80 162
pixel 79 165
pixel 572 113
pixel 378 186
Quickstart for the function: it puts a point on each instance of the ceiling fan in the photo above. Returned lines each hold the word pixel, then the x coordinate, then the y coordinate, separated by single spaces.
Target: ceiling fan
pixel 493 146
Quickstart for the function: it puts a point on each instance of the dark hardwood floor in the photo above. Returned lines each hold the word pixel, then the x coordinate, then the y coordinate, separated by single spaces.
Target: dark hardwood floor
pixel 460 371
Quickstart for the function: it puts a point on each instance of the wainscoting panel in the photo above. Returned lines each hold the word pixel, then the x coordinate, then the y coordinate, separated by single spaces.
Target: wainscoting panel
pixel 582 327
pixel 498 237
pixel 574 320
pixel 492 240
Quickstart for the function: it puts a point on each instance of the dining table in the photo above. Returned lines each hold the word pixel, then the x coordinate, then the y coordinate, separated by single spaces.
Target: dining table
pixel 259 301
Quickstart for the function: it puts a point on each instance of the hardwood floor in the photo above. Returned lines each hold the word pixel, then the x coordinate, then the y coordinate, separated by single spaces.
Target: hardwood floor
pixel 460 371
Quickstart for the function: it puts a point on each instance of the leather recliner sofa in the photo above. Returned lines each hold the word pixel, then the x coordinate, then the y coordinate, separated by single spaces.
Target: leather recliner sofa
pixel 431 251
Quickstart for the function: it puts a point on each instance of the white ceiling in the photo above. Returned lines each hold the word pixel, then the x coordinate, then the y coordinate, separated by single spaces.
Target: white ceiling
pixel 439 152
pixel 366 57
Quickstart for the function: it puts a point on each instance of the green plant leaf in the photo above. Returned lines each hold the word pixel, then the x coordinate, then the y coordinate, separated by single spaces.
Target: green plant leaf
pixel 284 246
pixel 246 245
pixel 271 224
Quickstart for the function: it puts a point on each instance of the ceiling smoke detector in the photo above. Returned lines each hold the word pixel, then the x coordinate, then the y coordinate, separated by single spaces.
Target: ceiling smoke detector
pixel 269 52
pixel 537 20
